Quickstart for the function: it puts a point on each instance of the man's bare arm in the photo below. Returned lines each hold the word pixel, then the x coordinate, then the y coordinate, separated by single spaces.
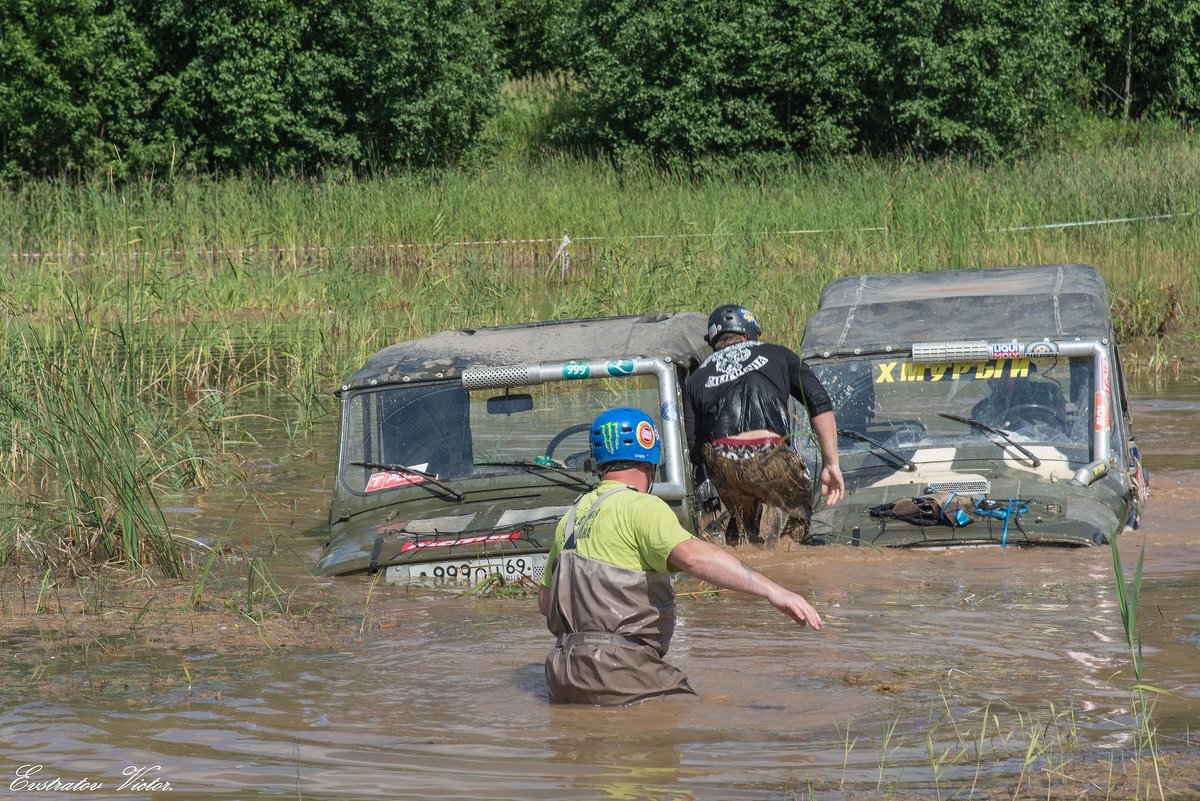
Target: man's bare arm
pixel 707 562
pixel 833 486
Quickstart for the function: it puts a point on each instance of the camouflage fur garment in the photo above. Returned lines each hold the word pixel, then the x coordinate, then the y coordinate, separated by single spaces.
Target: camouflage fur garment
pixel 766 488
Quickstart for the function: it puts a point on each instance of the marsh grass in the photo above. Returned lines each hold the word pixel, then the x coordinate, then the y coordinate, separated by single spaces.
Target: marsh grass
pixel 157 618
pixel 87 446
pixel 77 470
pixel 998 751
pixel 371 261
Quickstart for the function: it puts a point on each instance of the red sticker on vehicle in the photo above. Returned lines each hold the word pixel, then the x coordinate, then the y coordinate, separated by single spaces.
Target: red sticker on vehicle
pixel 382 481
pixel 478 539
pixel 1103 419
pixel 645 435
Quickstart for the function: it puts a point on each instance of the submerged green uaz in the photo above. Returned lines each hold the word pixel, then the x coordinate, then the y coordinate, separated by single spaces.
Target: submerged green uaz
pixel 460 451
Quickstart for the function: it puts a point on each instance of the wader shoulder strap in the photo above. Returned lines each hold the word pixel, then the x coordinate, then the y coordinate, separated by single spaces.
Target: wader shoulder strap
pixel 571 526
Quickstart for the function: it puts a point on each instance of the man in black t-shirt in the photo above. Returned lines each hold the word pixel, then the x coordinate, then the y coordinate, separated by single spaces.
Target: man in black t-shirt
pixel 736 420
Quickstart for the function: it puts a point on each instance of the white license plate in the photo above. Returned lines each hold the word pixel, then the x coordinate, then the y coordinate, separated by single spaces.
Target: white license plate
pixel 469 572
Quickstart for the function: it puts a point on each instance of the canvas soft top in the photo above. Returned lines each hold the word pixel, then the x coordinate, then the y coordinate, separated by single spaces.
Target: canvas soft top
pixel 871 313
pixel 678 335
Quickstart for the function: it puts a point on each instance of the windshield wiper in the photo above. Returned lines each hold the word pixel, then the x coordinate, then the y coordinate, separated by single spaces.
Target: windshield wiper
pixel 533 467
pixel 905 463
pixel 412 471
pixel 1000 432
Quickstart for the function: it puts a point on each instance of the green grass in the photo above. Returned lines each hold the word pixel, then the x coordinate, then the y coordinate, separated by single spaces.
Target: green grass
pixel 87 447
pixel 399 255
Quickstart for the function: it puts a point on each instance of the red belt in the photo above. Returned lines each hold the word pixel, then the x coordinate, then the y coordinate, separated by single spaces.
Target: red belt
pixel 734 442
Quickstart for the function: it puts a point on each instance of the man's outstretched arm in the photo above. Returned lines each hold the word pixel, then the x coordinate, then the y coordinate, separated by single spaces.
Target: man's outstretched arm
pixel 707 562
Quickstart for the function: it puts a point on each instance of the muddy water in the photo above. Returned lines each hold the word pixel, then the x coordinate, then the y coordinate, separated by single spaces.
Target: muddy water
pixel 936 673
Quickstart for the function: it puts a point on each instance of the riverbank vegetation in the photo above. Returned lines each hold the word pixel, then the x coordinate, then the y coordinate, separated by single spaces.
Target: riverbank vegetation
pixel 166 301
pixel 369 261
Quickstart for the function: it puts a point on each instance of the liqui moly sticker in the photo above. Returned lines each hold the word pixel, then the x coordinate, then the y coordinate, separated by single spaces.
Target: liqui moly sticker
pixel 1103 420
pixel 1007 350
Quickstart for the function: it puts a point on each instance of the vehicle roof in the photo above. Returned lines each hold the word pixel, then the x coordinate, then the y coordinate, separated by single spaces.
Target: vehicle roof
pixel 678 335
pixel 869 313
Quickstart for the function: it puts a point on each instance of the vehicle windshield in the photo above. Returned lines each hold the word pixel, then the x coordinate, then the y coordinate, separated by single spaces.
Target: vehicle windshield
pixel 901 404
pixel 446 431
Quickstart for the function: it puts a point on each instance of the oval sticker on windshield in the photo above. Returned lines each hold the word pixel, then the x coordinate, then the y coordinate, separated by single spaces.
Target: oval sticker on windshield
pixel 619 367
pixel 575 370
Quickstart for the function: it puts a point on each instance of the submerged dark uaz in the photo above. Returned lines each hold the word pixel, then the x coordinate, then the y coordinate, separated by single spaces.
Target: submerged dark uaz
pixel 976 406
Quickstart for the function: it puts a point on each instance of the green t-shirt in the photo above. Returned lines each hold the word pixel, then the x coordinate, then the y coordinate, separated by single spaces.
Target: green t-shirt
pixel 631 529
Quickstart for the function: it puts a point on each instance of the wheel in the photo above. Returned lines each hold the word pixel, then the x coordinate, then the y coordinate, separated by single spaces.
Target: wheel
pixel 558 438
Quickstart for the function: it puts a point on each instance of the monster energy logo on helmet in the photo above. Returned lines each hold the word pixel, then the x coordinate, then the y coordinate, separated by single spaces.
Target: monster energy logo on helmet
pixel 611 434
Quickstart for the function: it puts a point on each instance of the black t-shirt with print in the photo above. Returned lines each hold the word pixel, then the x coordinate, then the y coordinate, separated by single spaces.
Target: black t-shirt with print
pixel 745 387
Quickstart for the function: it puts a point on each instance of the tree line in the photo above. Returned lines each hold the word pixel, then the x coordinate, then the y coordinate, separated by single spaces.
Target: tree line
pixel 301 85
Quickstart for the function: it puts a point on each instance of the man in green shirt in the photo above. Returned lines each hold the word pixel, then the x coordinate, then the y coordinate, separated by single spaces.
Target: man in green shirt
pixel 607 593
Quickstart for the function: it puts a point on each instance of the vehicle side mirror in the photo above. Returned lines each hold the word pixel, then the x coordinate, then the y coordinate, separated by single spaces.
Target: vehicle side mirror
pixel 509 404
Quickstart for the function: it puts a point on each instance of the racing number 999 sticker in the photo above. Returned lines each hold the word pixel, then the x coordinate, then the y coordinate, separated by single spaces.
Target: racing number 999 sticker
pixel 576 370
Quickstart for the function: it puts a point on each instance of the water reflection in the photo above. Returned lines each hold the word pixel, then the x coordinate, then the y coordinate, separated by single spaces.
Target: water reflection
pixel 935 670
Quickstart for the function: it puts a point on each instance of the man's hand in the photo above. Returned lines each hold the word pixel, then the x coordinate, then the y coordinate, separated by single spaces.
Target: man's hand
pixel 794 606
pixel 833 486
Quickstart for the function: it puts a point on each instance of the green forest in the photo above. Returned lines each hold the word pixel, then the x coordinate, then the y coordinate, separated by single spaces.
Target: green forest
pixel 168 87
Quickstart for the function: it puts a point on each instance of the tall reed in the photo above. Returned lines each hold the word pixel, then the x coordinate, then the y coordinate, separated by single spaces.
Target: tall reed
pixel 87 449
pixel 405 254
pixel 1128 597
